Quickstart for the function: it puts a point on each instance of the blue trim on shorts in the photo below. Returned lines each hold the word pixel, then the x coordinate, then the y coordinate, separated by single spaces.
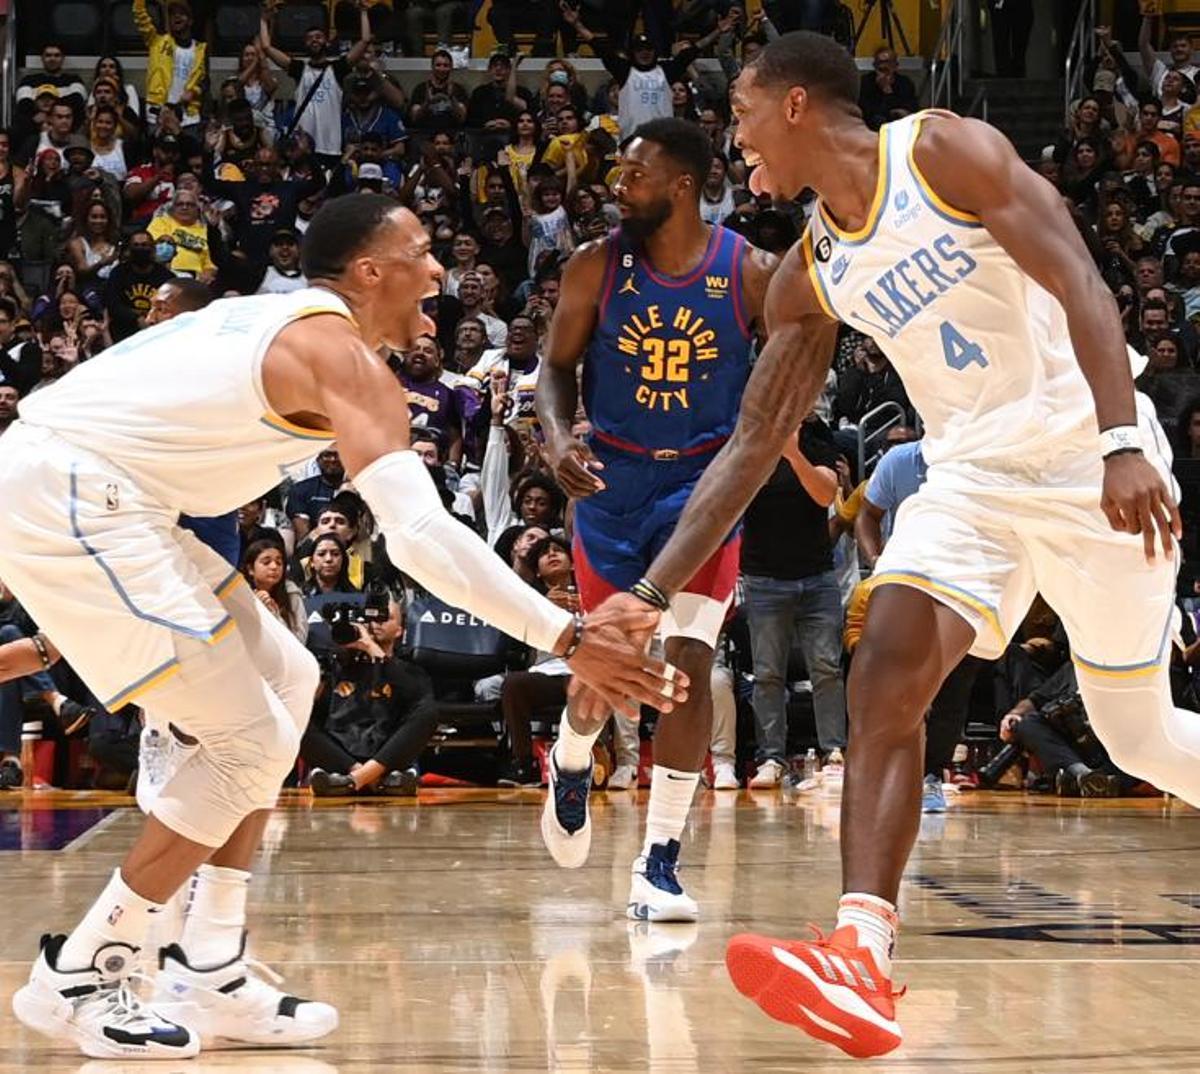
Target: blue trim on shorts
pixel 1132 669
pixel 125 694
pixel 191 632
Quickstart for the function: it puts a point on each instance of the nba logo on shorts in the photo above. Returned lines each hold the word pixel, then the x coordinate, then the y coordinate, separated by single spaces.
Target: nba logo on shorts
pixel 112 497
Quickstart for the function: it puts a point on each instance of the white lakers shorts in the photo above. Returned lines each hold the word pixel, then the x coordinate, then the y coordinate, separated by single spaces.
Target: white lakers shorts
pixel 100 565
pixel 985 550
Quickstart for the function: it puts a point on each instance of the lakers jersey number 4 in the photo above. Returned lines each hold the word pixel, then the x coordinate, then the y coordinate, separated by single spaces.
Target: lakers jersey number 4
pixel 983 350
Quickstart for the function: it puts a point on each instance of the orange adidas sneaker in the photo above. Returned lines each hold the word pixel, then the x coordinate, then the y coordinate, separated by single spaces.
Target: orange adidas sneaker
pixel 829 987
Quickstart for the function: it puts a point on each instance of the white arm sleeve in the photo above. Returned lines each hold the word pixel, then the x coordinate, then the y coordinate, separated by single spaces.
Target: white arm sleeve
pixel 447 558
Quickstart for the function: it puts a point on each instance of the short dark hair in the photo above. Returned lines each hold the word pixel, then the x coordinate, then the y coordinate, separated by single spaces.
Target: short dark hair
pixel 340 229
pixel 814 61
pixel 9 307
pixel 685 143
pixel 193 295
pixel 548 485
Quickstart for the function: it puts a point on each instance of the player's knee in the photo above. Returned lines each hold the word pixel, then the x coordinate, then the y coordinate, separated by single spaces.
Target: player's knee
pixel 886 700
pixel 304 680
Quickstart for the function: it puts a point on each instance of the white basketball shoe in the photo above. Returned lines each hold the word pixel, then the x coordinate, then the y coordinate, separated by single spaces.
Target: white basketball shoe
pixel 232 1002
pixel 96 1007
pixel 566 825
pixel 655 893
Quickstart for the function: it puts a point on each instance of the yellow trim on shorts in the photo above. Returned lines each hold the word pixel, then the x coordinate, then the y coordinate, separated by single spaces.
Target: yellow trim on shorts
pixel 1116 673
pixel 223 631
pixel 227 586
pixel 955 593
pixel 155 678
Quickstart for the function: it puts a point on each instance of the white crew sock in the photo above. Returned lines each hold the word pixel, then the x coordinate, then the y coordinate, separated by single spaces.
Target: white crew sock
pixel 216 918
pixel 573 751
pixel 671 793
pixel 119 915
pixel 874 920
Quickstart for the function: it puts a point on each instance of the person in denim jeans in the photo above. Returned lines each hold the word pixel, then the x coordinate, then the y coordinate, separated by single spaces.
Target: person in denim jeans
pixel 12 709
pixel 791 589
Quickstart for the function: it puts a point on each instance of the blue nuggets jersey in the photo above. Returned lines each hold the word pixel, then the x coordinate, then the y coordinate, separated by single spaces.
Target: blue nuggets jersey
pixel 670 355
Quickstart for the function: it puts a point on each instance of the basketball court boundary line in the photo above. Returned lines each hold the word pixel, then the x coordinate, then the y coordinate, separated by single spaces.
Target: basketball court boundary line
pixel 83 838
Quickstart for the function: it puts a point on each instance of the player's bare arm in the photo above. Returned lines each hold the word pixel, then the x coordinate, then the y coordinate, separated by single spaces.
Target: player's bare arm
pixel 758 269
pixel 320 371
pixel 975 168
pixel 575 467
pixel 25 657
pixel 785 383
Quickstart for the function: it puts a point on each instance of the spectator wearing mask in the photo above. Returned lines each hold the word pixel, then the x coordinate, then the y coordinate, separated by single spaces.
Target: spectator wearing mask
pixel 130 288
pixel 176 63
pixel 885 93
pixel 182 224
pixel 375 713
pixel 644 80
pixel 263 567
pixel 319 78
pixel 283 273
pixel 51 79
pixel 308 498
pixel 439 103
pixel 792 592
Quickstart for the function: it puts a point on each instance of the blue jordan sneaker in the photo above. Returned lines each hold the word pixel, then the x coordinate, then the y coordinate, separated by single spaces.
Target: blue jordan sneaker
pixel 566 825
pixel 655 893
pixel 933 799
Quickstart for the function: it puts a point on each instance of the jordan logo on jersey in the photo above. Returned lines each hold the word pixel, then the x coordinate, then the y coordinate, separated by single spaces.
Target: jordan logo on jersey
pixel 627 288
pixel 666 353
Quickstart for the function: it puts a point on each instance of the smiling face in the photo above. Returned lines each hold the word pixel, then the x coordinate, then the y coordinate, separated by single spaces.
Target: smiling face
pixel 422 361
pixel 186 207
pixel 536 506
pixel 522 339
pixel 769 124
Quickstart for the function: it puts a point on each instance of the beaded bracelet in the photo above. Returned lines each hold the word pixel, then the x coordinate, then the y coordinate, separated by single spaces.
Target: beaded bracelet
pixel 39 643
pixel 576 641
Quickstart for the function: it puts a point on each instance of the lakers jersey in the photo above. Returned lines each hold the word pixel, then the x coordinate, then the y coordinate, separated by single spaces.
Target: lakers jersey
pixel 181 408
pixel 982 349
pixel 670 355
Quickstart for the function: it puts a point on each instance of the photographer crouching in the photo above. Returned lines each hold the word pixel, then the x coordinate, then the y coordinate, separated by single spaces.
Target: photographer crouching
pixel 1051 725
pixel 374 712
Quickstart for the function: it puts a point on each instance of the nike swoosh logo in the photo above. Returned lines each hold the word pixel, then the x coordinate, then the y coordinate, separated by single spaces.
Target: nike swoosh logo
pixel 679 779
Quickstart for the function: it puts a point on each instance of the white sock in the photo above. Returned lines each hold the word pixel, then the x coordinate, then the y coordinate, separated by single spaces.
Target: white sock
pixel 119 915
pixel 875 923
pixel 216 919
pixel 573 751
pixel 671 793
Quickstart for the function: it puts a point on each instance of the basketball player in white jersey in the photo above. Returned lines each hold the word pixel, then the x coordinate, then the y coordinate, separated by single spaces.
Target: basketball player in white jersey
pixel 1046 473
pixel 199 415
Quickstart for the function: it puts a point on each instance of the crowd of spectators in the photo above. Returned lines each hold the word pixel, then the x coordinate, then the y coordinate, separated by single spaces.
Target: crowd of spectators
pixel 122 204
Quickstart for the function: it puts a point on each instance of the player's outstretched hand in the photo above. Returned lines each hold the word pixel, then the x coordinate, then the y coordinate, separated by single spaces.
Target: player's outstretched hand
pixel 1136 500
pixel 612 664
pixel 575 468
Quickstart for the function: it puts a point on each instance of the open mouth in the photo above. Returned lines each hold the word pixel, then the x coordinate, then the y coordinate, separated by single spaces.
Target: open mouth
pixel 752 159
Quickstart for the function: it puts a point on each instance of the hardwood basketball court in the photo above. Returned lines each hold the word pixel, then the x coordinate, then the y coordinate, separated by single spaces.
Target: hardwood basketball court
pixel 1039 935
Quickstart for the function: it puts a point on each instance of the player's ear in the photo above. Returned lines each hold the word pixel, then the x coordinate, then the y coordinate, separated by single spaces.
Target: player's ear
pixel 795 103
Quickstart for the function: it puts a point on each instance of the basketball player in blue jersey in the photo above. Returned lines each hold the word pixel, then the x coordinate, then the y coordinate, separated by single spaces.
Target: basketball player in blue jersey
pixel 1046 473
pixel 661 315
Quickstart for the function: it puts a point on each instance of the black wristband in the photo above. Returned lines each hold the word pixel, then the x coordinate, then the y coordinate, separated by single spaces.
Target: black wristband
pixel 576 641
pixel 646 590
